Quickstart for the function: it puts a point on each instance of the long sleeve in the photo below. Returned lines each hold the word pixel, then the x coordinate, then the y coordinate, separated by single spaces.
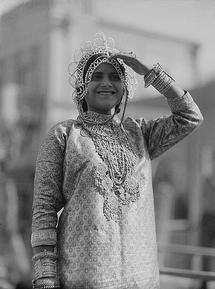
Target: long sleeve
pixel 48 183
pixel 163 133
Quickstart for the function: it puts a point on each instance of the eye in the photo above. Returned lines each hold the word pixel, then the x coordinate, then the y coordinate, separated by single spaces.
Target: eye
pixel 115 77
pixel 96 76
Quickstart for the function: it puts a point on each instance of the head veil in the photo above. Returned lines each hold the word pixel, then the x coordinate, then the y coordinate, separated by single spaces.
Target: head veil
pixel 87 59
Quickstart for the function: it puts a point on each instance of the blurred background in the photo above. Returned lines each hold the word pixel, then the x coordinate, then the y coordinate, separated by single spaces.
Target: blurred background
pixel 37 41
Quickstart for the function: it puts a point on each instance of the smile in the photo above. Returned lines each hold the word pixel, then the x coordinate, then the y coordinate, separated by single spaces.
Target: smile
pixel 106 93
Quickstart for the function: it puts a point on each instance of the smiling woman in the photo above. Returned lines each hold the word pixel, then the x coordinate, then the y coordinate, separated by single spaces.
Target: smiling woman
pixel 105 91
pixel 97 67
pixel 97 170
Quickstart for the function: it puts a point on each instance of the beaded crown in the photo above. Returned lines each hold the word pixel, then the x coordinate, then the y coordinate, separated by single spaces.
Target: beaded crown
pixel 89 57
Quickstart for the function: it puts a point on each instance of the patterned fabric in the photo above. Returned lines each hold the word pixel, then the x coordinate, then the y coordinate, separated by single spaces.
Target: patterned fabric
pixel 96 249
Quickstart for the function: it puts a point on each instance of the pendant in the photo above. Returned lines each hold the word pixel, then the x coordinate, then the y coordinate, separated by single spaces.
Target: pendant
pixel 115 196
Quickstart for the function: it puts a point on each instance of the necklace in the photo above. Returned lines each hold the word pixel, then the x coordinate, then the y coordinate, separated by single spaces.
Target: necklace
pixel 114 174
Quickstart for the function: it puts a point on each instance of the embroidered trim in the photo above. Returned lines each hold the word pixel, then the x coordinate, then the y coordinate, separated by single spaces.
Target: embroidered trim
pixel 44 237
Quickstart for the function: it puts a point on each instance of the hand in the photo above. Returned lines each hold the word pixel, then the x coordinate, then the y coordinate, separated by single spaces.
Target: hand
pixel 132 61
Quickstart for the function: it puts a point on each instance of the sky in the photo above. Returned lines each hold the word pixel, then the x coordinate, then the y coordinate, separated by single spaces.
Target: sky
pixel 190 19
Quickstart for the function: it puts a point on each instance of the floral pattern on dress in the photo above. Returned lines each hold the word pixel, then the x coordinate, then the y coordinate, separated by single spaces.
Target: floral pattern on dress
pixel 104 240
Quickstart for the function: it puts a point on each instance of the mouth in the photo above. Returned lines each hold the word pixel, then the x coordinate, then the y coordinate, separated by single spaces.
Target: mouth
pixel 106 93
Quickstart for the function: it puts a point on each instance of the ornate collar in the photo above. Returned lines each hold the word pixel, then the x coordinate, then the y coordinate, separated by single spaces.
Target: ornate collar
pixel 95 118
pixel 100 124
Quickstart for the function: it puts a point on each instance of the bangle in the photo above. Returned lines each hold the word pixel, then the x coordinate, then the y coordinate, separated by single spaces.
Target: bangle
pixel 46 283
pixel 163 82
pixel 45 264
pixel 45 254
pixel 150 77
pixel 159 79
pixel 45 268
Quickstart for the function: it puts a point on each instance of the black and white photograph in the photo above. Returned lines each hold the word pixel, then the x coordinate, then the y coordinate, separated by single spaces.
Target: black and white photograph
pixel 107 144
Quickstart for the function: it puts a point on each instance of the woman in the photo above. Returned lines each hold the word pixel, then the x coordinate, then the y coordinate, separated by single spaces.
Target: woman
pixel 98 169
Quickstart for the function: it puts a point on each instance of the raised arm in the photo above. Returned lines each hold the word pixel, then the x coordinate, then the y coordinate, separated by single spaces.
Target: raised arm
pixel 164 132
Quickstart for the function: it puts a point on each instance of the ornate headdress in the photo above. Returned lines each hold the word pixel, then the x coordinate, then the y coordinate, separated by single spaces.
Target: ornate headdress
pixel 88 58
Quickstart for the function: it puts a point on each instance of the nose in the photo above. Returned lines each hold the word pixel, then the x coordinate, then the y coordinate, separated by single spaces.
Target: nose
pixel 106 82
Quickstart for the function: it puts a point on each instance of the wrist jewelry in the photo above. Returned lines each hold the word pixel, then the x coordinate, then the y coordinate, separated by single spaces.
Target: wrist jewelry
pixel 45 268
pixel 152 74
pixel 45 264
pixel 159 79
pixel 163 82
pixel 46 283
pixel 45 254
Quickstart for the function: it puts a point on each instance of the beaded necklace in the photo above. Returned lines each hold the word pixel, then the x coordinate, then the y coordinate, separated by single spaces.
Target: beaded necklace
pixel 114 175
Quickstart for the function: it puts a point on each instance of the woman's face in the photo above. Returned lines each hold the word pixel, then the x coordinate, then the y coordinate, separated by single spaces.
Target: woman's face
pixel 105 89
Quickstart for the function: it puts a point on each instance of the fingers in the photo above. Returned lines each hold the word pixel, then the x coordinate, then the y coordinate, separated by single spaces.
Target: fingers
pixel 130 63
pixel 133 55
pixel 131 60
pixel 124 55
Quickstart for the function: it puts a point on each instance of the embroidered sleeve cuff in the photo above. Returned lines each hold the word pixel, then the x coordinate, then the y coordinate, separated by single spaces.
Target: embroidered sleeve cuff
pixel 181 103
pixel 44 237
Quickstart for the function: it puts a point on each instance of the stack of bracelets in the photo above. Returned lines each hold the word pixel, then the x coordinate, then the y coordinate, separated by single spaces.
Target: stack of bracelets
pixel 45 265
pixel 159 79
